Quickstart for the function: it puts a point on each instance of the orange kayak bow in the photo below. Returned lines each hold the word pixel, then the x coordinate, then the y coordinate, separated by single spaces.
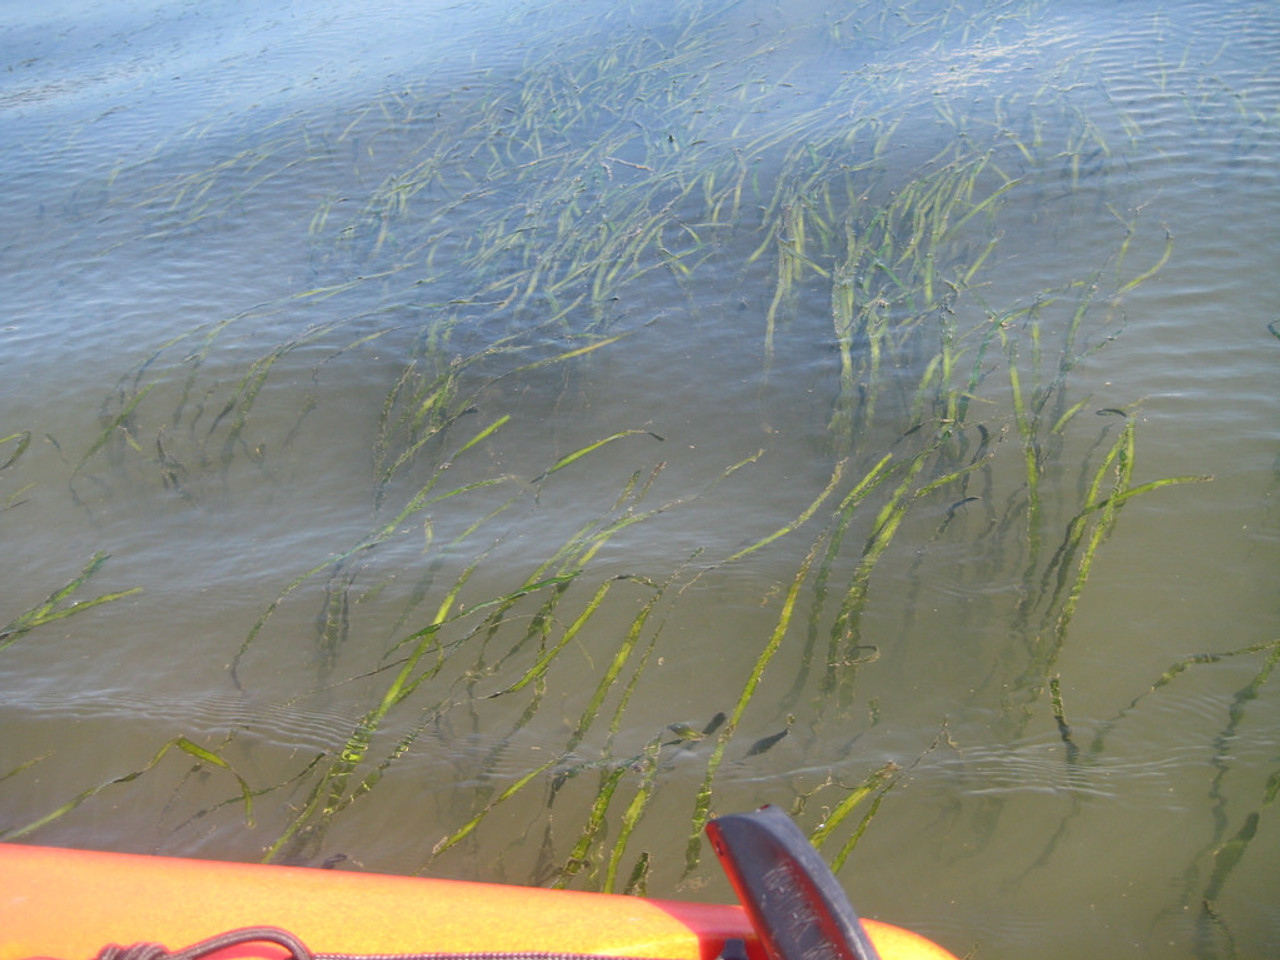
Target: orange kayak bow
pixel 71 904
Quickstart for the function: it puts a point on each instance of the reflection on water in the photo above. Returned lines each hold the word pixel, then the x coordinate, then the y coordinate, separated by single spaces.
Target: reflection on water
pixel 531 439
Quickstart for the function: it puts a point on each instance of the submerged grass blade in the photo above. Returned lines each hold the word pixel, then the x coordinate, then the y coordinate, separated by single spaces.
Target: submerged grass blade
pixel 845 630
pixel 870 785
pixel 24 441
pixel 610 676
pixel 635 810
pixel 798 522
pixel 512 789
pixel 49 612
pixel 181 743
pixel 591 448
pixel 118 423
pixel 1152 271
pixel 539 669
pixel 848 846
pixel 702 804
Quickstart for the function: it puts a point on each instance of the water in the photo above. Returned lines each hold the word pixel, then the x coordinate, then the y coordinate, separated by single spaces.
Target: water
pixel 243 248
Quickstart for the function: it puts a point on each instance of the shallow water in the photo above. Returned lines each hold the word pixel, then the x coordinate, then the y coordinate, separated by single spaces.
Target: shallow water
pixel 242 248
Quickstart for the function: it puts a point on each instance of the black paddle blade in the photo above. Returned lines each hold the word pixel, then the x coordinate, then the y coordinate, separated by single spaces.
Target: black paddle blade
pixel 797 908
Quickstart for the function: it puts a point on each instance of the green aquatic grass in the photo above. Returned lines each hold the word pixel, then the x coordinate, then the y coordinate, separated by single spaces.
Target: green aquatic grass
pixel 493 237
pixel 55 607
pixel 1208 874
pixel 19 443
pixel 200 754
pixel 702 804
pixel 59 604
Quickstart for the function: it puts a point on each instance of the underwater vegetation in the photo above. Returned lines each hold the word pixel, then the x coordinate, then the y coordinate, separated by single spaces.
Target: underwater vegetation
pixel 495 653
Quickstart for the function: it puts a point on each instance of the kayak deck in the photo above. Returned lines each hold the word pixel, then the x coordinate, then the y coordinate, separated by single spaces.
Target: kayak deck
pixel 69 904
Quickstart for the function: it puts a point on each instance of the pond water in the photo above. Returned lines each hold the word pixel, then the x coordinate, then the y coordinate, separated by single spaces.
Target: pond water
pixel 494 437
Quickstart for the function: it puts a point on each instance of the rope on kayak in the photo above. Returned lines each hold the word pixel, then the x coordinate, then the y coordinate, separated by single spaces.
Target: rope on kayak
pixel 232 938
pixel 733 950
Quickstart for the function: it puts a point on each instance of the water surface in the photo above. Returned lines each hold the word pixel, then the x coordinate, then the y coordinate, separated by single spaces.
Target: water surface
pixel 471 392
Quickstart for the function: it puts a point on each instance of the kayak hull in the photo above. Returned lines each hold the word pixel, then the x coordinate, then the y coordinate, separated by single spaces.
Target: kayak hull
pixel 69 904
